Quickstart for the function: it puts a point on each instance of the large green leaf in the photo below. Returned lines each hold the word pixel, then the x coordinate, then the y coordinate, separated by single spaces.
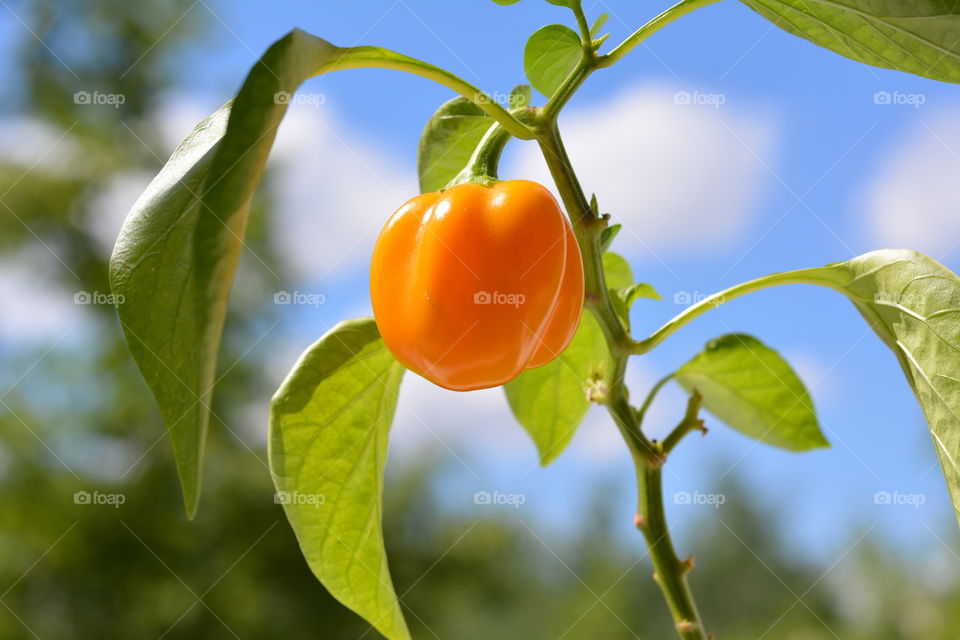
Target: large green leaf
pixel 550 55
pixel 747 385
pixel 448 141
pixel 174 261
pixel 329 424
pixel 551 401
pixel 912 302
pixel 917 36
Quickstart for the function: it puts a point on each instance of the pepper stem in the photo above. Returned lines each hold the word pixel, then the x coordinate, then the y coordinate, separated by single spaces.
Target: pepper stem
pixel 483 164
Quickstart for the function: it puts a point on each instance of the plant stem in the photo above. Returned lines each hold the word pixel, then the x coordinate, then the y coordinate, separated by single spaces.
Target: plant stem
pixel 676 11
pixel 803 276
pixel 484 164
pixel 587 227
pixel 691 422
pixel 647 457
pixel 650 396
pixel 365 57
pixel 669 571
pixel 590 61
pixel 582 22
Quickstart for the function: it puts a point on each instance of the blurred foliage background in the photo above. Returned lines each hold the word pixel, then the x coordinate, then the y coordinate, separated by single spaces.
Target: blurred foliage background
pixel 141 570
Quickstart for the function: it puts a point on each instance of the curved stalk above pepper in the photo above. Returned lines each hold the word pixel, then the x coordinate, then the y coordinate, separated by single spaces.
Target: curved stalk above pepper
pixel 379 58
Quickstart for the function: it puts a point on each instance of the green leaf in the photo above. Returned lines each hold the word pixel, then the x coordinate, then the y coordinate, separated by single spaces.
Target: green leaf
pixel 751 387
pixel 176 255
pixel 640 290
pixel 920 36
pixel 550 55
pixel 329 424
pixel 608 235
pixel 624 297
pixel 598 24
pixel 506 2
pixel 174 261
pixel 912 303
pixel 448 141
pixel 617 271
pixel 520 96
pixel 570 4
pixel 551 401
pixel 619 276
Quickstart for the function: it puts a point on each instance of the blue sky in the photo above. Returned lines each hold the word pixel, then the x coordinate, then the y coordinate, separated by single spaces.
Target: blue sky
pixel 799 161
pixel 830 145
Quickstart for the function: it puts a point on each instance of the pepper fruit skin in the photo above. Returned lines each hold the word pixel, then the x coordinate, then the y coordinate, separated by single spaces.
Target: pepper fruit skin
pixel 474 284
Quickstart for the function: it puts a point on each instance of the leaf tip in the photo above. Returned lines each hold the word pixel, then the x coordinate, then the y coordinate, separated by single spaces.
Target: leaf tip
pixel 191 500
pixel 547 457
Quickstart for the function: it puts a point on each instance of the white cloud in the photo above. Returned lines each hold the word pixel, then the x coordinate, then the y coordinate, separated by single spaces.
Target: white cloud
pixel 467 425
pixel 912 200
pixel 334 189
pixel 36 145
pixel 680 177
pixel 175 117
pixel 34 310
pixel 110 206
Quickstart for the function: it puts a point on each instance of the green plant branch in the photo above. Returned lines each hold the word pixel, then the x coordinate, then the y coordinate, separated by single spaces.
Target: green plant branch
pixel 483 166
pixel 588 64
pixel 647 457
pixel 691 422
pixel 670 572
pixel 673 13
pixel 651 395
pixel 582 23
pixel 379 58
pixel 713 301
pixel 570 84
pixel 590 61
